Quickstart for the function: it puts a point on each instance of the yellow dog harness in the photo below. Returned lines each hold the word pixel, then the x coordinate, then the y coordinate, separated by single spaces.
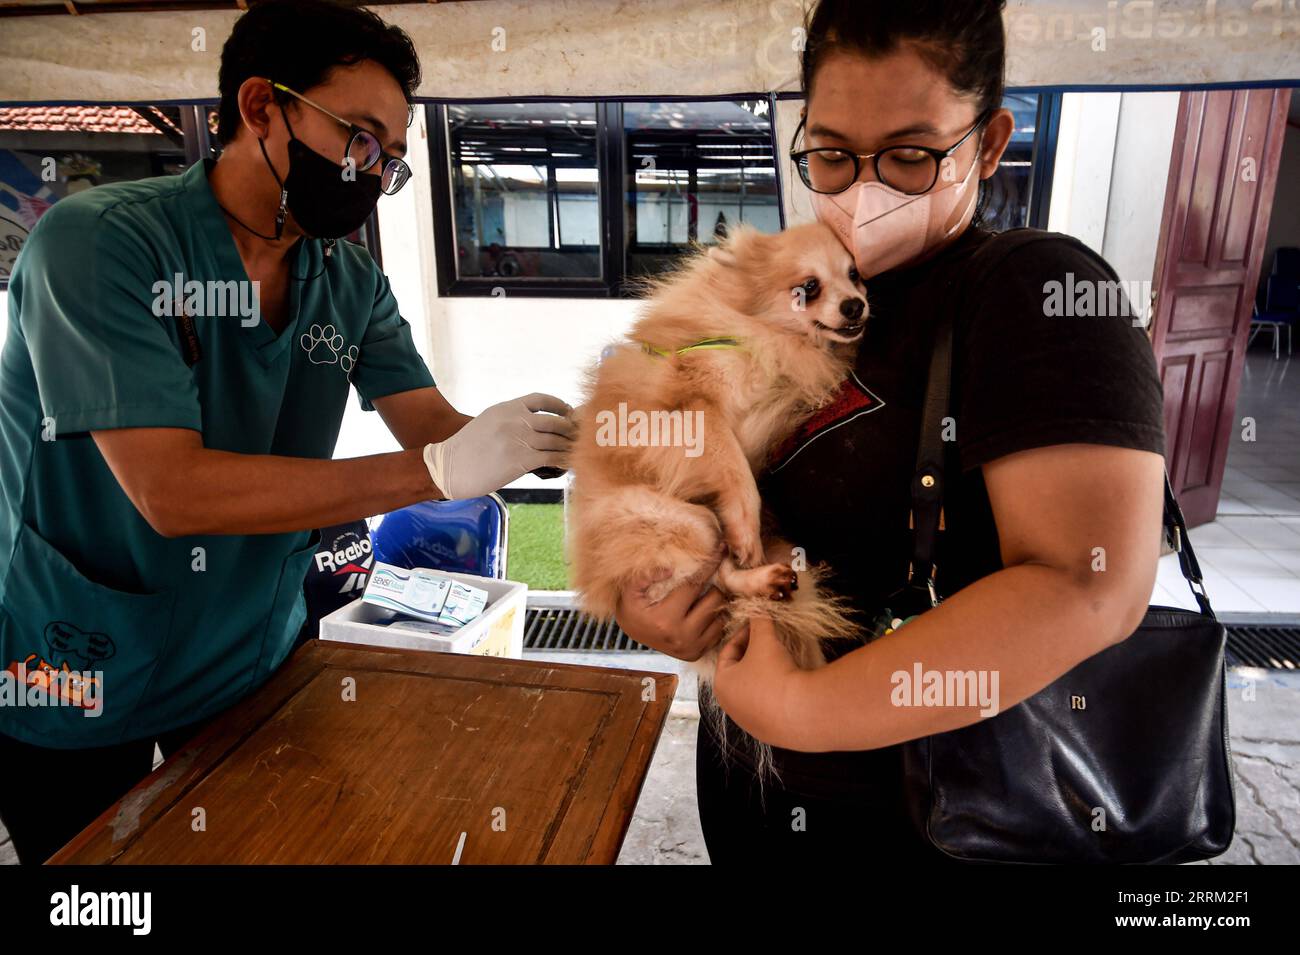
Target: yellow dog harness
pixel 700 345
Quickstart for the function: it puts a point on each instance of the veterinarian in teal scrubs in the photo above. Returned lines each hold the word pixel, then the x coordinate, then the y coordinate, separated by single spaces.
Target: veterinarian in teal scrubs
pixel 181 626
pixel 179 357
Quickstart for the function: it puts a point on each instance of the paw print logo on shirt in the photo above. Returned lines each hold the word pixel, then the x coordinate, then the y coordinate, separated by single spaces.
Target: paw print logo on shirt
pixel 324 346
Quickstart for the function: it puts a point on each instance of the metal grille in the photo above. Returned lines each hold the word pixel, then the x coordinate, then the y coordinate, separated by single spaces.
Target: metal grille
pixel 561 628
pixel 1272 648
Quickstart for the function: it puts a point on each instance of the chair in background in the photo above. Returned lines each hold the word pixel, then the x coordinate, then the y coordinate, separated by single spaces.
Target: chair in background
pixel 467 537
pixel 1286 261
pixel 1281 306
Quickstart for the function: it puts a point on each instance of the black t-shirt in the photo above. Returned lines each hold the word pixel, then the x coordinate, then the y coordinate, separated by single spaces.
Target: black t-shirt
pixel 1022 377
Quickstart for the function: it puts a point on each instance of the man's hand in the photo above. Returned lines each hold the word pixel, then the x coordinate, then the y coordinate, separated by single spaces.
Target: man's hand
pixel 684 624
pixel 505 442
pixel 754 679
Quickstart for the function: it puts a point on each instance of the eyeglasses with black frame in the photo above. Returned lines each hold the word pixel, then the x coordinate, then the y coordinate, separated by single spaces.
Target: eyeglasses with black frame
pixel 911 170
pixel 364 149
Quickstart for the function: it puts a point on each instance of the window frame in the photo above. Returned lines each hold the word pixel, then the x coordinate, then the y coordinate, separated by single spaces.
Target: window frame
pixel 615 185
pixel 1043 156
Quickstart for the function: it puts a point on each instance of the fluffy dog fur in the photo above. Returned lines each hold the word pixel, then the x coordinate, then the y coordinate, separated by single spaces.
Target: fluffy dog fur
pixel 634 509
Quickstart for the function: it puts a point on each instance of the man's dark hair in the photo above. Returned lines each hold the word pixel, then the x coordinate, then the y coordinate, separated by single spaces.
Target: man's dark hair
pixel 298 42
pixel 964 40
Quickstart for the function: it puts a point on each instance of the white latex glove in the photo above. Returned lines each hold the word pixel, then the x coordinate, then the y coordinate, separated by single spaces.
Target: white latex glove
pixel 505 442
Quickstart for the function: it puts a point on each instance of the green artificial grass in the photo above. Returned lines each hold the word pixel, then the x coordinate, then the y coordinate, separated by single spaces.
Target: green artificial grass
pixel 536 550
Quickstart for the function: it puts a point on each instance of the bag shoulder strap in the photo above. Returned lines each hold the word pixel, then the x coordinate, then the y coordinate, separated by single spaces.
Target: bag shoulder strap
pixel 929 479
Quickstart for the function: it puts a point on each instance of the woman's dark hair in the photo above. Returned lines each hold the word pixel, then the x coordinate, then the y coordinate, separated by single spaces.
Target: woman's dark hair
pixel 962 39
pixel 298 42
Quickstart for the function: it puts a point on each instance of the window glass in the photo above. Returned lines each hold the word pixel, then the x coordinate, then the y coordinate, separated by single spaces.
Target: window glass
pixel 694 169
pixel 525 190
pixel 571 198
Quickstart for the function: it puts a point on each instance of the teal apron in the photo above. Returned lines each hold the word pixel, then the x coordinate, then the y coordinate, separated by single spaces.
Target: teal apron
pixel 125 311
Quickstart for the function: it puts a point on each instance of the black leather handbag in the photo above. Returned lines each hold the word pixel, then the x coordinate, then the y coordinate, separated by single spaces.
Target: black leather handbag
pixel 1124 759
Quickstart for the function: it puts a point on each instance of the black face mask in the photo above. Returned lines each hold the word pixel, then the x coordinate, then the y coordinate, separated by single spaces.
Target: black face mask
pixel 324 203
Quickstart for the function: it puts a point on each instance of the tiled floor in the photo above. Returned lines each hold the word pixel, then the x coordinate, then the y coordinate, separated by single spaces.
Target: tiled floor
pixel 1250 553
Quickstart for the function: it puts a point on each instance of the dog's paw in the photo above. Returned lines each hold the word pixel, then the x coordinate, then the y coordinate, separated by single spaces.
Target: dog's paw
pixel 778 581
pixel 774 581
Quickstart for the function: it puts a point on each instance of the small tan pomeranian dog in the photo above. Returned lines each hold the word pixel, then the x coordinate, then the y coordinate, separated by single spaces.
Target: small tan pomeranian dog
pixel 733 352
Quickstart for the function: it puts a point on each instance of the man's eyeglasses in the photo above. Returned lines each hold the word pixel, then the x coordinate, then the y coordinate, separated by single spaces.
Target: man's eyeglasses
pixel 908 169
pixel 363 149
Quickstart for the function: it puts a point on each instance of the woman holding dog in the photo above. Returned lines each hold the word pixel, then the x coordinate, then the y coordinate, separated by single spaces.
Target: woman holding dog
pixel 1059 433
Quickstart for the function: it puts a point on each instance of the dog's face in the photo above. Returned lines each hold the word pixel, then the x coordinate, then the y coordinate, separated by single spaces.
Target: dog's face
pixel 826 297
pixel 803 279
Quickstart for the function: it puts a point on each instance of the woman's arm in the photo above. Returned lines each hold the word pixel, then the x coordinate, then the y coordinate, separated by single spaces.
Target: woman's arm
pixel 1079 530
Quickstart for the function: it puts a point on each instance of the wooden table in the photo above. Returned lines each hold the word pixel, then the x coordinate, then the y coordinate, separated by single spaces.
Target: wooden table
pixel 435 757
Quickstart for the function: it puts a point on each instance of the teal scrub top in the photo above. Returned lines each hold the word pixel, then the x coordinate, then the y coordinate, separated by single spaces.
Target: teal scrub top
pixel 175 629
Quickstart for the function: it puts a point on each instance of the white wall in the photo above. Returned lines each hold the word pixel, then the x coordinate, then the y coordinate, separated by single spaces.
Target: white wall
pixel 1112 164
pixel 1084 160
pixel 1144 141
pixel 797 199
pixel 480 350
pixel 406 243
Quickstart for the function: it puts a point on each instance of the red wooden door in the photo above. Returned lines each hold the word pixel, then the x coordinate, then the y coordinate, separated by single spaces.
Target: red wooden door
pixel 1227 145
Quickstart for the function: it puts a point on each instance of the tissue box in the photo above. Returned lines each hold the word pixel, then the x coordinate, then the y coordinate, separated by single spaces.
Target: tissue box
pixel 498 631
pixel 428 595
pixel 416 592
